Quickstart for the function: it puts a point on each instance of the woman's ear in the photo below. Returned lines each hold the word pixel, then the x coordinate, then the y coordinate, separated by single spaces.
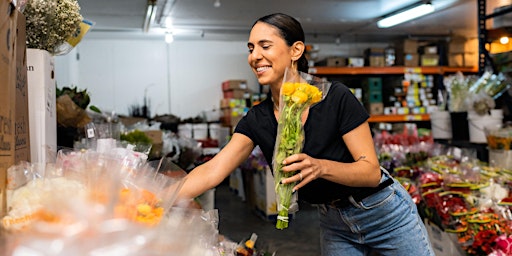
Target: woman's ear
pixel 297 50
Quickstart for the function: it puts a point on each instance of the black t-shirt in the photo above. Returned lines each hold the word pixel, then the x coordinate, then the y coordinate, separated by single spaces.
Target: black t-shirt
pixel 327 122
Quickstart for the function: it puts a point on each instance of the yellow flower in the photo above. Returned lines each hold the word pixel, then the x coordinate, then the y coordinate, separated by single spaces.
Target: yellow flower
pixel 287 89
pixel 304 87
pixel 144 209
pixel 316 94
pixel 299 97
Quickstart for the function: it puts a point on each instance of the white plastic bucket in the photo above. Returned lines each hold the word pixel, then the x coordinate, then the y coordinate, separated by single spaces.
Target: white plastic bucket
pixel 185 130
pixel 441 125
pixel 200 131
pixel 214 131
pixel 500 158
pixel 478 124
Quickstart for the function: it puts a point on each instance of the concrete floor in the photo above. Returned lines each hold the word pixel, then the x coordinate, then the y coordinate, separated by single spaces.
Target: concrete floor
pixel 237 221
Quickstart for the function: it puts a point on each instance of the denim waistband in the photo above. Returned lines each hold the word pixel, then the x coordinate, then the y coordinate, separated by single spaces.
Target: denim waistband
pixel 344 202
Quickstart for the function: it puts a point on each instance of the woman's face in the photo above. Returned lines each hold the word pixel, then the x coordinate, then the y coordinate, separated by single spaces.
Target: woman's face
pixel 269 55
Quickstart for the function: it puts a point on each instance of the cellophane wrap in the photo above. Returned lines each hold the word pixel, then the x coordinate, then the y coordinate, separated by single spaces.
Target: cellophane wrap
pixel 117 207
pixel 299 92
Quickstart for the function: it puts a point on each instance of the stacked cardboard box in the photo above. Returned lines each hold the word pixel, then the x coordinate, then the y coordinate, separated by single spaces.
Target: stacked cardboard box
pixel 235 89
pixel 411 56
pixel 463 52
pixel 14 119
pixel 374 57
pixel 430 56
pixel 234 103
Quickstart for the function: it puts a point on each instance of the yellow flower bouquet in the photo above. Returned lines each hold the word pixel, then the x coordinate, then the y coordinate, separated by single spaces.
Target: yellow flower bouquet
pixel 298 92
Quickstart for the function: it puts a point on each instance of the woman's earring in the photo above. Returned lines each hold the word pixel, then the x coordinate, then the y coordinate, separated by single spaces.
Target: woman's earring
pixel 293 64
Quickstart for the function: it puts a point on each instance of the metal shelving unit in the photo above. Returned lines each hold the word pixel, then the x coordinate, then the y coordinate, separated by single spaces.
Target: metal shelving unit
pixel 483 32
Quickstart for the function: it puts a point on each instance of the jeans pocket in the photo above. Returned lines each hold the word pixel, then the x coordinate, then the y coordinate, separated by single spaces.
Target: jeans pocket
pixel 379 198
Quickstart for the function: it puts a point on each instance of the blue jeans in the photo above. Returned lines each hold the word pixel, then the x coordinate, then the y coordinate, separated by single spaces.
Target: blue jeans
pixel 386 222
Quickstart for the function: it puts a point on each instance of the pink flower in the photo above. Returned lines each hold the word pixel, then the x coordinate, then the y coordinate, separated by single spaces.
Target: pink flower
pixel 504 244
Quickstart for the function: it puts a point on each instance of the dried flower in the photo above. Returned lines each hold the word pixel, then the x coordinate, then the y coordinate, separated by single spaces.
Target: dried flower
pixel 51 22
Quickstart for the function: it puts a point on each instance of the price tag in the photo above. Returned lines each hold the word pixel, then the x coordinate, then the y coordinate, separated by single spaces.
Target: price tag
pixel 90 133
pixel 457 153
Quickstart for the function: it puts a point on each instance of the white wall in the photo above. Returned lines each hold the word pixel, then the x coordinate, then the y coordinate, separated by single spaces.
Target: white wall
pixel 197 69
pixel 183 78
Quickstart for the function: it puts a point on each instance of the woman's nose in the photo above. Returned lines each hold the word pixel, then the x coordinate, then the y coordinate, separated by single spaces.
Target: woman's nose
pixel 255 54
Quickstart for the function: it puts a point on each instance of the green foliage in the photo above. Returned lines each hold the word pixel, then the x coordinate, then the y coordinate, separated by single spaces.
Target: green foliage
pixel 79 97
pixel 136 136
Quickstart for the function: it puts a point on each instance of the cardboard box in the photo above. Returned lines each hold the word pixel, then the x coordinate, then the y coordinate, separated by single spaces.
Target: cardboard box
pixel 336 62
pixel 471 59
pixel 429 60
pixel 356 62
pixel 22 120
pixel 14 120
pixel 265 195
pixel 463 45
pixel 42 106
pixel 462 59
pixel 376 61
pixel 411 59
pixel 430 50
pixel 410 46
pixel 234 84
pixel 376 108
pixel 374 51
pixel 456 59
pixel 237 94
pixel 6 109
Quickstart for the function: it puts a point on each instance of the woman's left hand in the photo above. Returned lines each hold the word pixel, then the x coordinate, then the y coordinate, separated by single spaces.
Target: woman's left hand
pixel 307 167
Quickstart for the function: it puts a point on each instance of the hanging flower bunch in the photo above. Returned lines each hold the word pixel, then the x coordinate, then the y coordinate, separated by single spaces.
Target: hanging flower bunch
pixel 51 22
pixel 295 98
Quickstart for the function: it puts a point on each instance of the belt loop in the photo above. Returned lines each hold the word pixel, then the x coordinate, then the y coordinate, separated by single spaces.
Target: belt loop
pixel 383 170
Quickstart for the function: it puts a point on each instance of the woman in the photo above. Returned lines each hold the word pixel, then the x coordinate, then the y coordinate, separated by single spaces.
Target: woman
pixel 361 208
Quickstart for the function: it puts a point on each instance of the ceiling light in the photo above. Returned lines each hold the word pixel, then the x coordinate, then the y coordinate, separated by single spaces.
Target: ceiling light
pixel 406 15
pixel 216 4
pixel 150 15
pixel 169 38
pixel 504 40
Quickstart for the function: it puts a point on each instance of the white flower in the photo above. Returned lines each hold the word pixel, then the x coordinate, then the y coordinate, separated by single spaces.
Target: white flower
pixel 51 22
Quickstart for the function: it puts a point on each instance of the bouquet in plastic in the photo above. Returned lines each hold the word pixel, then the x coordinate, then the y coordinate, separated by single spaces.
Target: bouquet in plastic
pixel 299 91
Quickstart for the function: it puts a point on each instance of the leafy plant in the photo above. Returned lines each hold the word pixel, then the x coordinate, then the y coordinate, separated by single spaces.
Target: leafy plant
pixel 79 97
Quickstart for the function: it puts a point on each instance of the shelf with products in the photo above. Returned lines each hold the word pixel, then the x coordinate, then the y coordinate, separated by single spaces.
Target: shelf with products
pixel 392 77
pixel 486 35
pixel 393 70
pixel 398 118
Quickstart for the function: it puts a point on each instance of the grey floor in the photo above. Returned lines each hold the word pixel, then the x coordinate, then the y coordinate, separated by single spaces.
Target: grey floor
pixel 237 221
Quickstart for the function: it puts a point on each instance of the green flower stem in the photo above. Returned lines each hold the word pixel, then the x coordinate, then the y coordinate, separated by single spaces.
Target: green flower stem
pixel 291 142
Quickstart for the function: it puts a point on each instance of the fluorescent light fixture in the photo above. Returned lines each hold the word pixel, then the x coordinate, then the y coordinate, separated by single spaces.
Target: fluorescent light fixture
pixel 406 15
pixel 150 15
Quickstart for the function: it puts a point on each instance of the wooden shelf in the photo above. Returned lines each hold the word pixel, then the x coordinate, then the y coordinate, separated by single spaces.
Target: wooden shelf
pixel 396 70
pixel 398 118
